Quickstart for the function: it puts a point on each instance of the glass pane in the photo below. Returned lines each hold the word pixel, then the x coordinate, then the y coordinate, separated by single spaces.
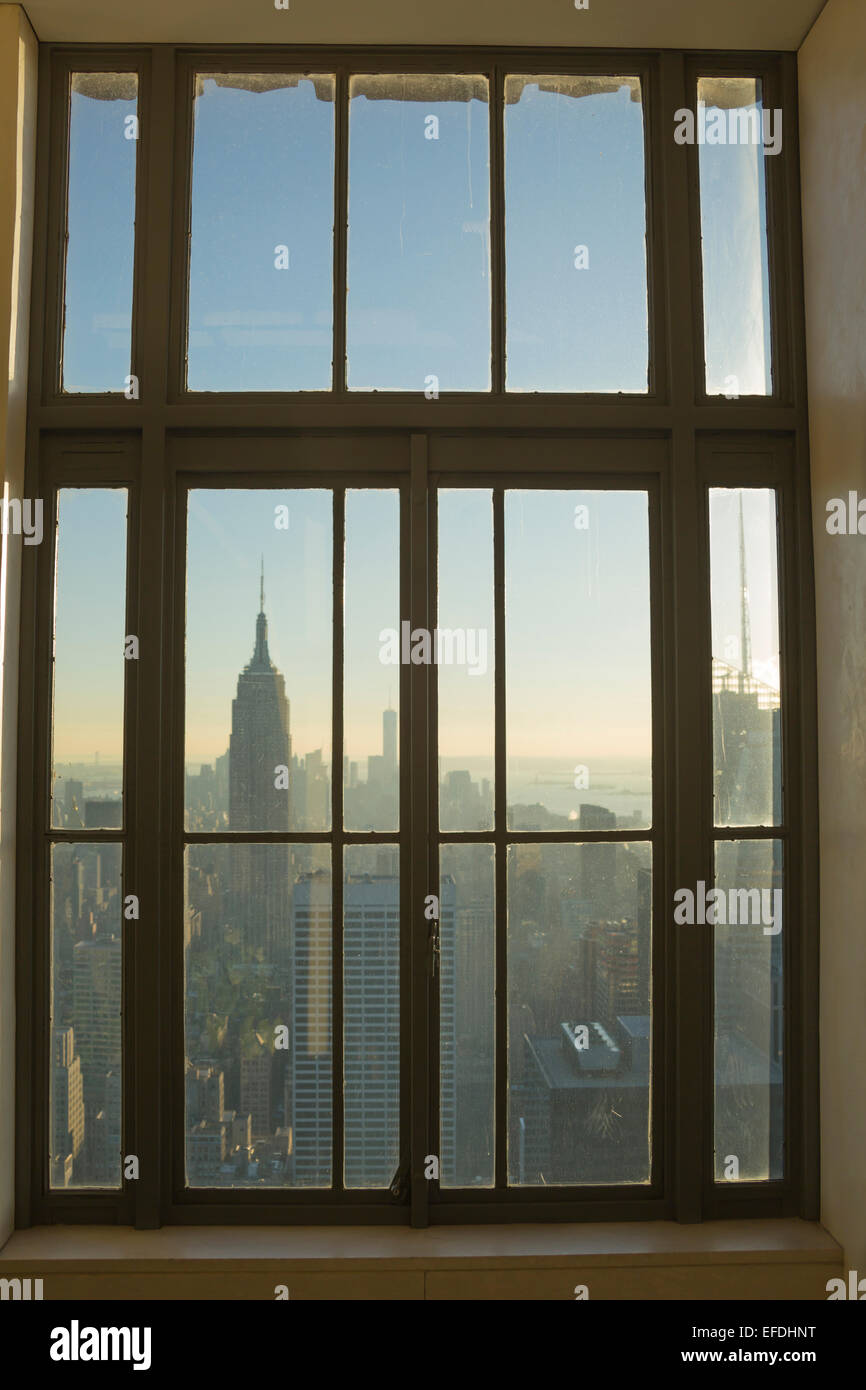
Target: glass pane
pixel 467 991
pixel 578 668
pixel 100 227
pixel 464 655
pixel 89 663
pixel 749 1006
pixel 747 738
pixel 86 1122
pixel 376 644
pixel 257 966
pixel 575 235
pixel 261 233
pixel 371 1014
pixel 259 618
pixel 579 955
pixel 419 234
pixel 733 131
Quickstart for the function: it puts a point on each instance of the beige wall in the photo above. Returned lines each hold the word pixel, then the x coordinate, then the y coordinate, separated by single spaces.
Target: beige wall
pixel 18 66
pixel 833 134
pixel 833 121
pixel 614 23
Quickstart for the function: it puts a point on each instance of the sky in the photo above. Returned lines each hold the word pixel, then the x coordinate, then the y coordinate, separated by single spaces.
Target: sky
pixel 90 624
pixel 418 308
pixel 736 275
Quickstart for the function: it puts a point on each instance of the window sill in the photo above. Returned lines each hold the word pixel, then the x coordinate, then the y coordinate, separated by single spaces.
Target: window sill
pixel 772 1259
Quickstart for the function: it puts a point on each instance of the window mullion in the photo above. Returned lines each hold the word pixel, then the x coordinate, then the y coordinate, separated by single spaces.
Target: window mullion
pixel 341 229
pixel 418 986
pixel 500 820
pixel 337 843
pixel 685 590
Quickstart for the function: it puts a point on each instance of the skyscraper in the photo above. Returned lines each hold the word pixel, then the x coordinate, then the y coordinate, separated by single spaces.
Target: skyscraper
pixel 96 995
pixel 371 1001
pixel 449 987
pixel 310 1054
pixel 371 992
pixel 67 1109
pixel 260 743
pixel 259 763
pixel 256 1093
pixel 389 746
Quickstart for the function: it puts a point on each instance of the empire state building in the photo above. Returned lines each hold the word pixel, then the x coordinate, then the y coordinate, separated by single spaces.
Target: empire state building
pixel 259 763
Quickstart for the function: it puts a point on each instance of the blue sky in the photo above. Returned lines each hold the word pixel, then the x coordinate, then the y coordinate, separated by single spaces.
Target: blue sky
pixel 419 296
pixel 418 243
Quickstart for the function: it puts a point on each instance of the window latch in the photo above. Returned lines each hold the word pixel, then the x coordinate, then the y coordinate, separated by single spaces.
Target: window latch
pixel 399 1182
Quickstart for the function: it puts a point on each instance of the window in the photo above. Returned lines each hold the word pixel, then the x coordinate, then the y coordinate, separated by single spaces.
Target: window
pixel 418 279
pixel 100 231
pixel 736 132
pixel 575 234
pixel 260 235
pixel 422 825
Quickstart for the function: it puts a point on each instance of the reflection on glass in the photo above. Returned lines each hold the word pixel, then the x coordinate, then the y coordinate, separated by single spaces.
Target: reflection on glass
pixel 371 1015
pixel 100 226
pixel 747 739
pixel 467 990
pixel 734 236
pixel 259 680
pixel 89 664
pixel 579 961
pixel 373 656
pixel 749 1018
pixel 258 1060
pixel 261 233
pixel 578 674
pixel 86 1119
pixel 575 234
pixel 465 659
pixel 419 234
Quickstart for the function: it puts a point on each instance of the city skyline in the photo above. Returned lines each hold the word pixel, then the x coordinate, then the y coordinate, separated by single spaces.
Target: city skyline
pixel 257 933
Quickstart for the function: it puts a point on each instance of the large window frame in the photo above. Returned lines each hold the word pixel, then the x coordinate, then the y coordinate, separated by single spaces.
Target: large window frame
pixel 675 437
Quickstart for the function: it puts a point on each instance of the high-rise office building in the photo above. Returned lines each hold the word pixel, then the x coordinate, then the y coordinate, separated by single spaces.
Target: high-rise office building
pixel 389 746
pixel 259 763
pixel 96 1005
pixel 371 1053
pixel 97 1023
pixel 104 1132
pixel 748 960
pixel 371 1038
pixel 205 1093
pixel 67 1108
pixel 101 812
pixel 308 1109
pixel 584 1111
pixel 260 741
pixel 255 1088
pixel 450 986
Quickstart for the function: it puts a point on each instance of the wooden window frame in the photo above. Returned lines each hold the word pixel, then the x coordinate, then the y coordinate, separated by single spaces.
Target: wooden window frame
pixel 674 437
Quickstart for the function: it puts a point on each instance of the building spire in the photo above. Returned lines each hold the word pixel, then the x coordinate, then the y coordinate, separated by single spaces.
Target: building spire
pixel 261 656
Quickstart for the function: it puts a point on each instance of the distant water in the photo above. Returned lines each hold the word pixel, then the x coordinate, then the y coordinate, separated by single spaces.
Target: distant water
pixel 622 785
